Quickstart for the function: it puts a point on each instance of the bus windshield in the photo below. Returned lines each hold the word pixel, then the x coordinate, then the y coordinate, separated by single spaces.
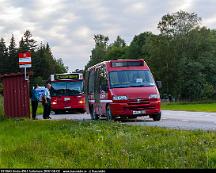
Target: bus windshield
pixel 66 88
pixel 131 78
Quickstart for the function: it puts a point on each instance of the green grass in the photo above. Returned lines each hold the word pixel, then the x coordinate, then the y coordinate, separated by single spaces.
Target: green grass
pixel 40 109
pixel 102 144
pixel 197 107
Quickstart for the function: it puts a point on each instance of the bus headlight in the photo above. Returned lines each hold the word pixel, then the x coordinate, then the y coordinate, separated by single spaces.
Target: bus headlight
pixel 120 98
pixel 54 103
pixel 154 96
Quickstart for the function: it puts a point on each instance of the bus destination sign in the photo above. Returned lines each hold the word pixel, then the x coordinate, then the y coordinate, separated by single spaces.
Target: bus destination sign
pixel 67 76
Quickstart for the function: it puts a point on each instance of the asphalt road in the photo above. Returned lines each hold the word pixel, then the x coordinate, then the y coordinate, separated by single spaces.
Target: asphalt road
pixel 171 119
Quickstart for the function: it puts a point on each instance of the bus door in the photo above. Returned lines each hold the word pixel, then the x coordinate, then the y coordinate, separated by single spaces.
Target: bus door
pixel 90 89
pixel 103 90
pixel 97 91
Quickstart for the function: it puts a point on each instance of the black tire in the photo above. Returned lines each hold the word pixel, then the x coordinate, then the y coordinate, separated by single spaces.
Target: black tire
pixel 109 113
pixel 132 117
pixel 93 114
pixel 82 111
pixel 156 117
pixel 57 112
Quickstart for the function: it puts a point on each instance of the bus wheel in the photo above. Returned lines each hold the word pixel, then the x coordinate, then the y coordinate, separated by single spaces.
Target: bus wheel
pixel 132 117
pixel 109 113
pixel 57 112
pixel 82 111
pixel 93 114
pixel 157 117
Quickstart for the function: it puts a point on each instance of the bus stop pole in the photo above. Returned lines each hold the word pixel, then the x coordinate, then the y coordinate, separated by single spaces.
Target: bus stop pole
pixel 25 74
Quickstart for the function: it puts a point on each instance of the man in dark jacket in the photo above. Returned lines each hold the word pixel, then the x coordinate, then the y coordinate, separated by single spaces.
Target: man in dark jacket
pixel 34 101
pixel 46 101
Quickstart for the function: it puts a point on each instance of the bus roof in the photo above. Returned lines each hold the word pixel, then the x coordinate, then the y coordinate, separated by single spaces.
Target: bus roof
pixel 123 64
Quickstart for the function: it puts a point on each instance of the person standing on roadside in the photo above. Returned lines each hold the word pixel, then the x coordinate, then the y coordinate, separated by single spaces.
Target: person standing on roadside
pixel 34 101
pixel 46 100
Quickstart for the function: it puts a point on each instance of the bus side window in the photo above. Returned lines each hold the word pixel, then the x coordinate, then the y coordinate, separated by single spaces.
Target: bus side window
pixel 103 79
pixel 96 85
pixel 96 81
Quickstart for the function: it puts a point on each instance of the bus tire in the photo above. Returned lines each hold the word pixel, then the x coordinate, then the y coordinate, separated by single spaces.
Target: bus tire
pixel 156 117
pixel 57 112
pixel 132 117
pixel 82 111
pixel 109 113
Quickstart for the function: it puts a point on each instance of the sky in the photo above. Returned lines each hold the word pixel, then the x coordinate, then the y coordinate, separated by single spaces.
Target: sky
pixel 70 25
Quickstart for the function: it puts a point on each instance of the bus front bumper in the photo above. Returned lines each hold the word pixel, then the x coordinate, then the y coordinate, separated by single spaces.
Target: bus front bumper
pixel 129 110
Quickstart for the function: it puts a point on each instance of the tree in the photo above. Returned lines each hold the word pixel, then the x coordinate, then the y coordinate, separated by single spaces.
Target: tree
pixel 60 67
pixel 119 42
pixel 13 55
pixel 29 42
pixel 136 49
pixel 177 23
pixel 116 50
pixel 22 46
pixel 101 40
pixel 3 57
pixel 45 64
pixel 98 53
pixel 43 61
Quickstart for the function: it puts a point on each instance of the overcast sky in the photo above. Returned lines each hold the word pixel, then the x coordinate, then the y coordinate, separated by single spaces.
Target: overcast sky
pixel 69 25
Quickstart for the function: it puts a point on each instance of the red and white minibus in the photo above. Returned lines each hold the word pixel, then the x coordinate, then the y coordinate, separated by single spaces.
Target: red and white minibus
pixel 121 88
pixel 67 92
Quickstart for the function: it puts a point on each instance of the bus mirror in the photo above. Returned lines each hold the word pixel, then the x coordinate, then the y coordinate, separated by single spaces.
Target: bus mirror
pixel 159 84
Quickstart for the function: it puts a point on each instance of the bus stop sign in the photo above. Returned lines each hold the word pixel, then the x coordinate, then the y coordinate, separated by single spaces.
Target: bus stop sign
pixel 25 60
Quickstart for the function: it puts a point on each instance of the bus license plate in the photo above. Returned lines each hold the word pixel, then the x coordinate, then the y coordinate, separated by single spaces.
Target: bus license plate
pixel 66 99
pixel 139 112
pixel 67 107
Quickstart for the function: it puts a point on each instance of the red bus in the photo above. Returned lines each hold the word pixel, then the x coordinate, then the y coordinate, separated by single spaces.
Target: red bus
pixel 67 92
pixel 121 88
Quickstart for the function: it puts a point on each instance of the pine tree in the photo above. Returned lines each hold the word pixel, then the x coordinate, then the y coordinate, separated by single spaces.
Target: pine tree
pixel 13 55
pixel 3 57
pixel 29 42
pixel 22 46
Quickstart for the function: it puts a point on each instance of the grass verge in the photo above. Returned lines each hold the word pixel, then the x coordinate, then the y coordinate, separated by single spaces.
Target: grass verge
pixel 40 109
pixel 102 144
pixel 196 107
